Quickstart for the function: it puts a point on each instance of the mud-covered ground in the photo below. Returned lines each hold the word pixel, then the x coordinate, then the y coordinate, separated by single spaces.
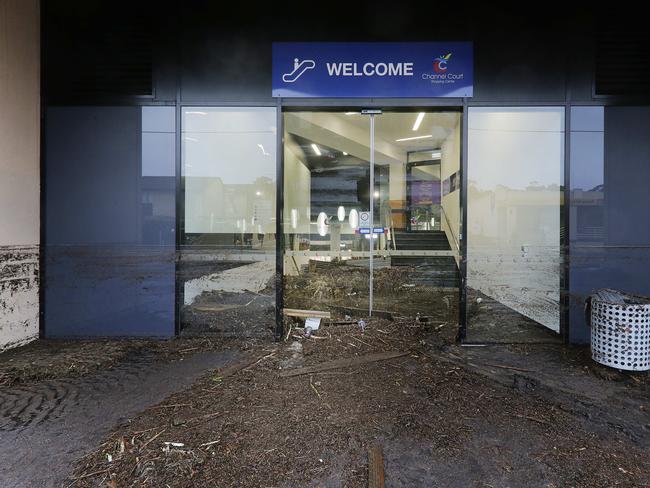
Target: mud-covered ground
pixel 50 359
pixel 238 310
pixel 343 290
pixel 59 399
pixel 443 416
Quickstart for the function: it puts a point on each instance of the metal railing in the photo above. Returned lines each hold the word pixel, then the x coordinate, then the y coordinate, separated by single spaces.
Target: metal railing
pixel 451 229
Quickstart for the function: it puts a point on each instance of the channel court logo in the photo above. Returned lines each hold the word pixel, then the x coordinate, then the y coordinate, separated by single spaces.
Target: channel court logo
pixel 440 63
pixel 443 74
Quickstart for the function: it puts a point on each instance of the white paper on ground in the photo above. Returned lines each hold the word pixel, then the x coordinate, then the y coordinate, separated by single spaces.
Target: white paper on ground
pixel 312 322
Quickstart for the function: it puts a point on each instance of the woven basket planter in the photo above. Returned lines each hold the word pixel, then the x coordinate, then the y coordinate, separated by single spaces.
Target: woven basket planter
pixel 620 330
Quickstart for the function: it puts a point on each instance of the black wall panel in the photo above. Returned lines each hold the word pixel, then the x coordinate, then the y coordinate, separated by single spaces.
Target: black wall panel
pixel 627 176
pixel 223 51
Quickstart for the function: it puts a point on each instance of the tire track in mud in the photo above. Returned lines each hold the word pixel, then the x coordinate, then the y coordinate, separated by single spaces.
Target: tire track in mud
pixel 52 423
pixel 22 407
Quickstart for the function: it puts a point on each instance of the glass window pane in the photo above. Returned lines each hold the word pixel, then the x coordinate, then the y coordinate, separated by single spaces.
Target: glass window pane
pixel 587 217
pixel 327 188
pixel 110 224
pixel 228 243
pixel 587 119
pixel 515 177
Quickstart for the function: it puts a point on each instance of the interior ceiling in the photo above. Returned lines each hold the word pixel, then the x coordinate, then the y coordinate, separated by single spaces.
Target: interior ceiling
pixel 350 132
pixel 391 126
pixel 330 158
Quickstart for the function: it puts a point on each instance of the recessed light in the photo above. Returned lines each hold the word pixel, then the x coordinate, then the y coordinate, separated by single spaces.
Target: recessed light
pixel 344 153
pixel 418 121
pixel 413 138
pixel 316 150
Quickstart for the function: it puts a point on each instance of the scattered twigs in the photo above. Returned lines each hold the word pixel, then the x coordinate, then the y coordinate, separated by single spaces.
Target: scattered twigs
pixel 509 367
pixel 173 405
pixel 88 475
pixel 345 363
pixel 378 338
pixel 181 351
pixel 533 419
pixel 362 342
pixel 311 384
pixel 288 333
pixel 211 443
pixel 243 364
pixel 260 360
pixel 204 417
pixel 152 439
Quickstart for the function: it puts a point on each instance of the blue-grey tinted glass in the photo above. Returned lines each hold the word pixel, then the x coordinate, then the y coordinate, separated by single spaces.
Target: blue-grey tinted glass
pixel 109 229
pixel 610 235
pixel 589 119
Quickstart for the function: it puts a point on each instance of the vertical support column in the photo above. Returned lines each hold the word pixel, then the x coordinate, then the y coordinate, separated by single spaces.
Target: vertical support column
pixel 279 228
pixel 372 208
pixel 565 237
pixel 462 297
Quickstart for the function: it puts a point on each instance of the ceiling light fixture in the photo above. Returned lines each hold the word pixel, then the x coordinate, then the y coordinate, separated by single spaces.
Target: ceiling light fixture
pixel 316 150
pixel 436 155
pixel 418 121
pixel 413 138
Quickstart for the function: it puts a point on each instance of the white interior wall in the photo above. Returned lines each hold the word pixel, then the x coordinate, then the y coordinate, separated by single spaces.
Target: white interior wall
pixel 297 195
pixel 19 171
pixel 397 181
pixel 450 164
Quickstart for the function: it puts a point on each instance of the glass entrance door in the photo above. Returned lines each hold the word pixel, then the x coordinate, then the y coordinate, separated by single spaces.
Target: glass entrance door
pixel 388 181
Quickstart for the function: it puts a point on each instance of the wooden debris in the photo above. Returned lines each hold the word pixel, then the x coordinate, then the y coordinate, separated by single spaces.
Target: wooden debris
pixel 153 438
pixel 238 366
pixel 345 363
pixel 342 322
pixel 314 388
pixel 211 443
pixel 533 419
pixel 215 308
pixel 502 366
pixel 376 467
pixel 294 312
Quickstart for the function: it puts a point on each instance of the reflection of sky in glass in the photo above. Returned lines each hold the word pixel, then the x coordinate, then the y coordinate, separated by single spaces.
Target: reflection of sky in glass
pixel 158 141
pixel 587 157
pixel 587 147
pixel 237 144
pixel 515 147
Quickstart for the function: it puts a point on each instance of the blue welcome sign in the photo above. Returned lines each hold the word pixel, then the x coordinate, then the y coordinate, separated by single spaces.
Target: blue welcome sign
pixel 373 69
